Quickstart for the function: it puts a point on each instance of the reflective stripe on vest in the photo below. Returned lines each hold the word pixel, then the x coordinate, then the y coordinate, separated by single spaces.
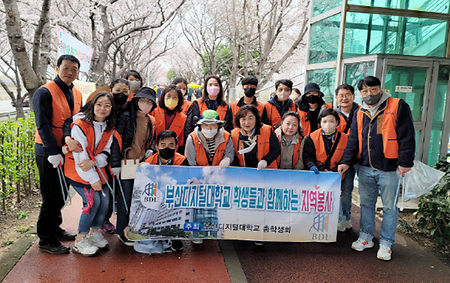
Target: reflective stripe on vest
pixel 321 154
pixel 388 129
pixel 200 154
pixel 60 111
pixel 221 109
pixel 69 162
pixel 177 124
pixel 273 115
pixel 263 145
pixel 178 159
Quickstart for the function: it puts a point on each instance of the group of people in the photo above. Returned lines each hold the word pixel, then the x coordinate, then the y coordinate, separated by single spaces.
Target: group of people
pixel 375 139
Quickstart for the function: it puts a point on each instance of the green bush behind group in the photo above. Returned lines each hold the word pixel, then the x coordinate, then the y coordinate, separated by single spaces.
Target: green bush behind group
pixel 19 176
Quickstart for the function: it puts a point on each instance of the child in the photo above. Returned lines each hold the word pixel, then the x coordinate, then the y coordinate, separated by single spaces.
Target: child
pixel 95 134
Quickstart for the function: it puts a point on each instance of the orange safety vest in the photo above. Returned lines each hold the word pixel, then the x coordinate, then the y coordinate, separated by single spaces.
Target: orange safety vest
pixel 273 115
pixel 178 159
pixel 306 125
pixel 263 145
pixel 60 111
pixel 221 109
pixel 177 124
pixel 388 128
pixel 295 156
pixel 202 158
pixel 186 105
pixel 69 162
pixel 321 154
pixel 235 108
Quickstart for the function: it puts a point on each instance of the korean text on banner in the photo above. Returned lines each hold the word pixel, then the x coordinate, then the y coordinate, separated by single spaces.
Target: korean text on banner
pixel 68 44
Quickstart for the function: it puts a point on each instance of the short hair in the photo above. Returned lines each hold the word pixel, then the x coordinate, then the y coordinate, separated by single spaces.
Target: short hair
pixel 68 57
pixel 294 114
pixel 329 111
pixel 166 134
pixel 250 81
pixel 118 81
pixel 219 99
pixel 179 80
pixel 168 88
pixel 242 112
pixel 287 83
pixel 369 81
pixel 345 86
pixel 134 74
pixel 297 91
pixel 89 112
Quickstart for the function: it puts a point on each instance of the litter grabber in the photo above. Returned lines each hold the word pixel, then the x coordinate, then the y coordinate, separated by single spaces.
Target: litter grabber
pixel 64 188
pixel 91 157
pixel 121 191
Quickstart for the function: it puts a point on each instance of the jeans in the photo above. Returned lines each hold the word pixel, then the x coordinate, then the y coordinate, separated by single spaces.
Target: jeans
pixel 346 193
pixel 122 214
pixel 98 211
pixel 371 182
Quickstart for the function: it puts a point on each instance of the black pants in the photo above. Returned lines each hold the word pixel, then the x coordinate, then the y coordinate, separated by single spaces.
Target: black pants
pixel 52 202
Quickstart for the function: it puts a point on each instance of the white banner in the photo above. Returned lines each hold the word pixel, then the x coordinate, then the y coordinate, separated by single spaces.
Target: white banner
pixel 68 44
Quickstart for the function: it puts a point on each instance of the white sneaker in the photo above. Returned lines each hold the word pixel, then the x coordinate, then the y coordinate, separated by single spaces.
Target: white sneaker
pixel 84 247
pixel 361 245
pixel 384 253
pixel 98 240
pixel 344 225
pixel 197 241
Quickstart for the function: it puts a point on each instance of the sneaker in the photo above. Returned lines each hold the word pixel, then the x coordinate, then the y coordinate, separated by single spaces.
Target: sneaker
pixel 259 243
pixel 361 245
pixel 84 247
pixel 177 245
pixel 125 241
pixel 54 248
pixel 344 225
pixel 108 227
pixel 65 236
pixel 384 253
pixel 98 240
pixel 197 241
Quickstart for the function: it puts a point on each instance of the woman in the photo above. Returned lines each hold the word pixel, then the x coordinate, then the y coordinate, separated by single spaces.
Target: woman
pixel 169 116
pixel 213 99
pixel 255 144
pixel 135 81
pixel 137 132
pixel 182 85
pixel 290 137
pixel 94 132
pixel 209 144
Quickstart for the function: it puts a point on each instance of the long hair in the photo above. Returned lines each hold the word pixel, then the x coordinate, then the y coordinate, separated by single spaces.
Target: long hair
pixel 89 112
pixel 161 102
pixel 219 99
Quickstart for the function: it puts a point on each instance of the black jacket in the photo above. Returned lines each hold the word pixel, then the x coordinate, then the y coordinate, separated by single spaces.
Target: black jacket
pixel 193 115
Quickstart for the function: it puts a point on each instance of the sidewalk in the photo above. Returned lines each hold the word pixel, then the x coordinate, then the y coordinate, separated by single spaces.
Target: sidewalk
pixel 215 261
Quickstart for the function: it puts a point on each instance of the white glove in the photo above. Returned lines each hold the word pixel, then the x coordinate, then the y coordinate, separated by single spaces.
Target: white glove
pixel 148 153
pixel 224 163
pixel 116 171
pixel 261 165
pixel 55 160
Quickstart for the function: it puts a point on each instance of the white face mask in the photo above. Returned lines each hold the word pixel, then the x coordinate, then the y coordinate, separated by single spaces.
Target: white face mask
pixel 328 128
pixel 209 133
pixel 183 91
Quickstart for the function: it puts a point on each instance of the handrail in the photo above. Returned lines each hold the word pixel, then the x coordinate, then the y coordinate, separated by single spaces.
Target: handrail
pixel 12 114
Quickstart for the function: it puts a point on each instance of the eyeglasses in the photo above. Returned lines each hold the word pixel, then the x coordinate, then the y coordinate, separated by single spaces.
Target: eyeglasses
pixel 347 95
pixel 368 90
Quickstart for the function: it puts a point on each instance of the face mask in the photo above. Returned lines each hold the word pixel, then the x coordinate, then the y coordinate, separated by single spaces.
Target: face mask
pixel 120 98
pixel 213 90
pixel 145 108
pixel 166 153
pixel 183 91
pixel 171 103
pixel 134 85
pixel 249 92
pixel 312 99
pixel 329 128
pixel 209 134
pixel 372 99
pixel 283 96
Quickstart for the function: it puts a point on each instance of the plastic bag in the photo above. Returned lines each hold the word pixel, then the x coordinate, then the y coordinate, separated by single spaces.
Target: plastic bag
pixel 419 181
pixel 152 246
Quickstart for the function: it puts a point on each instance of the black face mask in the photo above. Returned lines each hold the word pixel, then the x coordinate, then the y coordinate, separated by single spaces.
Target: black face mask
pixel 312 99
pixel 249 92
pixel 167 153
pixel 120 98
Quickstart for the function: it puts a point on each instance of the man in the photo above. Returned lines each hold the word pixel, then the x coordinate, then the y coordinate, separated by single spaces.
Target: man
pixel 382 142
pixel 249 85
pixel 53 103
pixel 279 104
pixel 345 96
pixel 310 107
pixel 166 146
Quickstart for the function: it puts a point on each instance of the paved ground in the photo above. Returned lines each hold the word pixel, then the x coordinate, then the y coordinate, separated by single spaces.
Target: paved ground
pixel 216 261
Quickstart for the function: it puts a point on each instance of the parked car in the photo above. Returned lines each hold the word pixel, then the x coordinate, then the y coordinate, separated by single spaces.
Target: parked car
pixel 26 102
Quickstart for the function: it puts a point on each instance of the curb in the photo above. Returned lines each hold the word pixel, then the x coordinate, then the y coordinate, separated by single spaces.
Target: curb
pixel 232 262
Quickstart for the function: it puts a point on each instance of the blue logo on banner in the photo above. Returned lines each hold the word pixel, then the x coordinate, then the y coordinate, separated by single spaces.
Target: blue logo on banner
pixel 192 226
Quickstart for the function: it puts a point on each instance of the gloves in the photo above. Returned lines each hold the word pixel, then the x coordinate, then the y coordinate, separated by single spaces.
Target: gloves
pixel 116 171
pixel 55 160
pixel 224 163
pixel 315 169
pixel 148 153
pixel 261 165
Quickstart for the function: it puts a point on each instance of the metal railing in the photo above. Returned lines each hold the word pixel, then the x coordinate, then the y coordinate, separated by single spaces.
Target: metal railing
pixel 12 114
